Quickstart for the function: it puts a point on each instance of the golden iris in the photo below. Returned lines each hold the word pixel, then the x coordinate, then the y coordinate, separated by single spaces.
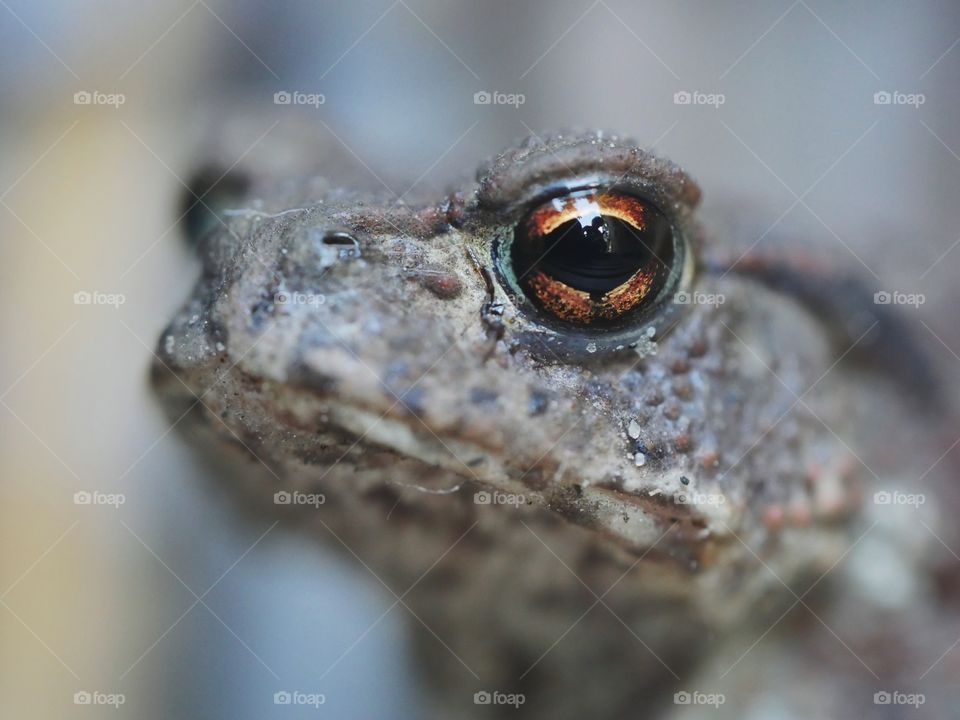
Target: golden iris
pixel 591 257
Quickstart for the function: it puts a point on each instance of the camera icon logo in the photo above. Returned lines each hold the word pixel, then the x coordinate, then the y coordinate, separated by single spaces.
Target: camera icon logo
pixel 482 498
pixel 682 98
pixel 882 298
pixel 482 697
pixel 282 497
pixel 482 97
pixel 882 697
pixel 682 698
pixel 82 698
pixel 82 297
pixel 82 98
pixel 82 497
pixel 282 97
pixel 882 97
pixel 882 497
pixel 682 298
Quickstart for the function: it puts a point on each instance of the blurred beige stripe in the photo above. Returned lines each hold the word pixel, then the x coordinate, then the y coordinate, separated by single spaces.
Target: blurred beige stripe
pixel 81 599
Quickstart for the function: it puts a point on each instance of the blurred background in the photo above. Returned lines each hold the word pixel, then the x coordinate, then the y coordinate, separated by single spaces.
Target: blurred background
pixel 122 570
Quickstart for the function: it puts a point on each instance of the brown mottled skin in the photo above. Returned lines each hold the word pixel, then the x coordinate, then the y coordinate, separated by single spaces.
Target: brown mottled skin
pixel 418 381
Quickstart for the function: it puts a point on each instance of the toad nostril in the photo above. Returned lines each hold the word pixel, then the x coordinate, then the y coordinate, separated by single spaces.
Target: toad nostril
pixel 345 244
pixel 339 238
pixel 324 248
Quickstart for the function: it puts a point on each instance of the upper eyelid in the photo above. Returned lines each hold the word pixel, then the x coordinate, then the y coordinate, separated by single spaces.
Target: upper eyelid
pixel 526 175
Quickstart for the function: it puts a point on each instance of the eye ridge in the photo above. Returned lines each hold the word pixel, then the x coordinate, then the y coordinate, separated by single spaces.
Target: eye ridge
pixel 593 257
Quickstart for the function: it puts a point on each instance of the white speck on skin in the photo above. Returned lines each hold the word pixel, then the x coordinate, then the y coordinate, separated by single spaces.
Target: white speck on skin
pixel 591 347
pixel 640 459
pixel 633 430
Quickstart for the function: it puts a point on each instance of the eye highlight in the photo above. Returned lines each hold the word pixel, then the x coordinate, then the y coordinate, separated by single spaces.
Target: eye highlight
pixel 594 257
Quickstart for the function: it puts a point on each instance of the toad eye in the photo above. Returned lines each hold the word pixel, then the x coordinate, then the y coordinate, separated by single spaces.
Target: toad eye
pixel 594 257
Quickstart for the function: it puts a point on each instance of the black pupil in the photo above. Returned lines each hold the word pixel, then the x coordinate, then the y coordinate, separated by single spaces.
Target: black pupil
pixel 595 253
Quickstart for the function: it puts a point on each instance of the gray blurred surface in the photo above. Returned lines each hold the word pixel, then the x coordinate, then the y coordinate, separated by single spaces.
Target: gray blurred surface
pixel 93 598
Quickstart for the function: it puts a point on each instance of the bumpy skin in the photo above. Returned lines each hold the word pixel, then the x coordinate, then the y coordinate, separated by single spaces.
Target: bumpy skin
pixel 418 380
